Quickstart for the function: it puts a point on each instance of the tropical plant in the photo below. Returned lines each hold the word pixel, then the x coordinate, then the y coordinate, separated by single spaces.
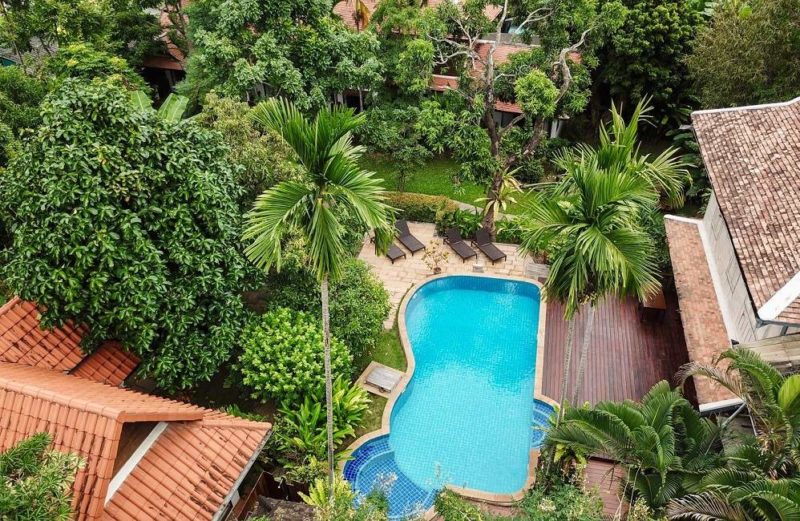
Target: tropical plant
pixel 334 183
pixel 171 110
pixel 759 480
pixel 589 227
pixel 561 502
pixel 663 443
pixel 36 481
pixel 301 434
pixel 509 186
pixel 141 240
pixel 280 356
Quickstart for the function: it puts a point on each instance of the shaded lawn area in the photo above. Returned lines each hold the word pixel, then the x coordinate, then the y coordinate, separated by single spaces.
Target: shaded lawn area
pixel 435 178
pixel 388 351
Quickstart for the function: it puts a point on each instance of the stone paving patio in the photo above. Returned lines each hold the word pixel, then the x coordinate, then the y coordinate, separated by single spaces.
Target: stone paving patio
pixel 404 273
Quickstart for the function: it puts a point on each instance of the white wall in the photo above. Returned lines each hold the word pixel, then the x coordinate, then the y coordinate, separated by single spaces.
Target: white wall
pixel 737 308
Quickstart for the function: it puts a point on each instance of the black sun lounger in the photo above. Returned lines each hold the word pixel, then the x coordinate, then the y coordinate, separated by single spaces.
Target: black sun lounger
pixel 483 241
pixel 406 239
pixel 453 238
pixel 395 253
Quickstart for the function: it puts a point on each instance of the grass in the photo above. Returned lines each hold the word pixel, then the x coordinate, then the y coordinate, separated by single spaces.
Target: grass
pixel 436 178
pixel 373 416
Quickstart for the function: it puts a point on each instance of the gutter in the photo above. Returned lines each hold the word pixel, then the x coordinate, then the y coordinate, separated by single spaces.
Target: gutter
pixel 240 479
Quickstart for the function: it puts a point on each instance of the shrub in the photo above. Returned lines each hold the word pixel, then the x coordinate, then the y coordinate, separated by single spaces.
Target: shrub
pixel 452 507
pixel 300 437
pixel 359 302
pixel 508 231
pixel 561 502
pixel 282 356
pixel 467 222
pixel 340 504
pixel 420 207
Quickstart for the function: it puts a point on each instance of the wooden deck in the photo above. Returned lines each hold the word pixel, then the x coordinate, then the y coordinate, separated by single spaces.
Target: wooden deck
pixel 626 357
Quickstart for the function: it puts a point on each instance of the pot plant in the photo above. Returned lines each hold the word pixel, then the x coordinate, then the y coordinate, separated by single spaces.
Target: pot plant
pixel 434 257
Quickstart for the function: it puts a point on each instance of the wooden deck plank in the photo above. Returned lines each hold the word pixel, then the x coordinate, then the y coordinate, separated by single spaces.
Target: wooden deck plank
pixel 626 357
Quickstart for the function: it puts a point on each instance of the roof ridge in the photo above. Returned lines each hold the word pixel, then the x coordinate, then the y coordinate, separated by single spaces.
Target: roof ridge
pixel 778 104
pixel 233 421
pixel 10 304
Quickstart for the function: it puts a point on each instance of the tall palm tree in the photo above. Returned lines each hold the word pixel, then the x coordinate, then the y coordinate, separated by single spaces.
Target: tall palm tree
pixel 596 247
pixel 334 184
pixel 663 443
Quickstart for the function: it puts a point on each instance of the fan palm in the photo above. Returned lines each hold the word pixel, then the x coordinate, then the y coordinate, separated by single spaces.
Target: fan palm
pixel 334 185
pixel 663 442
pixel 591 232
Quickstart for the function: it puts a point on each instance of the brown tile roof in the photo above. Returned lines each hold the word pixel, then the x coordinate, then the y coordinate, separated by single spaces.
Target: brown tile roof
pixel 22 341
pixel 189 471
pixel 752 155
pixel 703 326
pixel 200 456
pixel 109 364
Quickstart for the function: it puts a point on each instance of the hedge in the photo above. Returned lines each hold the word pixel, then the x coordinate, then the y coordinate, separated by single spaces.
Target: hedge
pixel 420 207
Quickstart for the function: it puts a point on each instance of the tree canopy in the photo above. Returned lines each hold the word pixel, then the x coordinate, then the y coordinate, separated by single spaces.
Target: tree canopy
pixel 36 481
pixel 296 49
pixel 128 222
pixel 748 54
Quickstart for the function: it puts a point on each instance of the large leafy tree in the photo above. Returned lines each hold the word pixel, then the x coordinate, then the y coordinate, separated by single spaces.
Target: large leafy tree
pixel 297 50
pixel 749 53
pixel 128 221
pixel 20 96
pixel 547 81
pixel 646 56
pixel 334 184
pixel 36 481
pixel 662 442
pixel 33 29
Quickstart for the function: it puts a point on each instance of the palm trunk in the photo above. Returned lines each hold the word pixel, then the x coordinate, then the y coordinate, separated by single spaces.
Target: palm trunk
pixel 326 336
pixel 567 362
pixel 587 338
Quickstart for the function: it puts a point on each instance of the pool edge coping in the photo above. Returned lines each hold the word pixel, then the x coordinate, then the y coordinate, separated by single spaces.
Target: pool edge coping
pixel 533 457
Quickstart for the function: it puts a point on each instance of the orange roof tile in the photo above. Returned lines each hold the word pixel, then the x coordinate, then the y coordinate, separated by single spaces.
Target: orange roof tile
pixel 703 325
pixel 199 456
pixel 189 471
pixel 109 364
pixel 22 342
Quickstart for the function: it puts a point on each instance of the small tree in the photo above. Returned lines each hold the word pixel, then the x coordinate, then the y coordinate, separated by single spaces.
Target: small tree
pixel 36 481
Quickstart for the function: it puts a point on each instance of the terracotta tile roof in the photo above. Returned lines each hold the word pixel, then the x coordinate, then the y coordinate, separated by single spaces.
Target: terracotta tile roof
pixel 109 364
pixel 189 471
pixel 752 155
pixel 703 326
pixel 21 340
pixel 185 475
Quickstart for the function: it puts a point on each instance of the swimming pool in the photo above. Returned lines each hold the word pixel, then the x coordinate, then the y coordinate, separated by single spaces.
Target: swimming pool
pixel 468 415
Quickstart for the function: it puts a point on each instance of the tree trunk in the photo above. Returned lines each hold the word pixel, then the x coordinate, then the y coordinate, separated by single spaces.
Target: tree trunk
pixel 326 336
pixel 567 362
pixel 489 215
pixel 587 338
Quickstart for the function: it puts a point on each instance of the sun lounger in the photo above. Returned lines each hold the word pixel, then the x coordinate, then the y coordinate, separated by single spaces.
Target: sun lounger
pixel 395 253
pixel 483 241
pixel 453 238
pixel 406 239
pixel 384 378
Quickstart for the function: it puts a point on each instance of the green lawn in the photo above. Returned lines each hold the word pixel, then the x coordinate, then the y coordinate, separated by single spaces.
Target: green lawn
pixel 435 178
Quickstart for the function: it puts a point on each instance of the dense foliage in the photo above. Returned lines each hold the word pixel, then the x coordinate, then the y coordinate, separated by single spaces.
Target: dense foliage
pixel 20 96
pixel 340 502
pixel 282 356
pixel 80 60
pixel 646 57
pixel 127 222
pixel 263 158
pixel 420 207
pixel 296 50
pixel 32 30
pixel 749 53
pixel 36 481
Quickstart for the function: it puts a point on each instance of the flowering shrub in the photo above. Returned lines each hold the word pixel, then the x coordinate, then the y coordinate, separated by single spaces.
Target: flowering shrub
pixel 282 356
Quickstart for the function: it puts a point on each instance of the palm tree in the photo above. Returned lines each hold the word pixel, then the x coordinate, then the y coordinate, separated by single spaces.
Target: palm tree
pixel 664 444
pixel 596 247
pixel 334 184
pixel 759 480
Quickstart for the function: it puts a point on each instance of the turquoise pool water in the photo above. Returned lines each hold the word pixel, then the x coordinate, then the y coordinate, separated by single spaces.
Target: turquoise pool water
pixel 468 415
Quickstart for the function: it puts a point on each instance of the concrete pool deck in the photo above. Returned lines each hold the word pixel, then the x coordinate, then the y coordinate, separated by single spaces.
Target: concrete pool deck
pixel 399 277
pixel 494 498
